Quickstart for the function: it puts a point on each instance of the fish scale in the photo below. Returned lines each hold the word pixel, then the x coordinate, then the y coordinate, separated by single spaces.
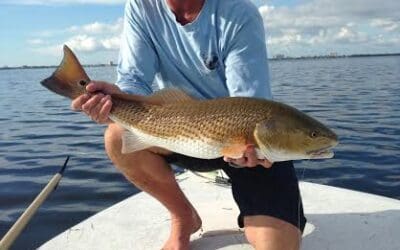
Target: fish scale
pixel 197 128
pixel 217 119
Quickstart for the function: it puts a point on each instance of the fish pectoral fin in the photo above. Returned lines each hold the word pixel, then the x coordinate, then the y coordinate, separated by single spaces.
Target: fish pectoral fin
pixel 171 95
pixel 132 143
pixel 235 148
pixel 234 151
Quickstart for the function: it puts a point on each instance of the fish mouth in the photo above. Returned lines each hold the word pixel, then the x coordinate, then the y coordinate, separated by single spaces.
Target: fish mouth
pixel 322 153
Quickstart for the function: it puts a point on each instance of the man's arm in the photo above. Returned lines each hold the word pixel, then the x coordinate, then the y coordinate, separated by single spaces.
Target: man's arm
pixel 247 73
pixel 246 62
pixel 138 62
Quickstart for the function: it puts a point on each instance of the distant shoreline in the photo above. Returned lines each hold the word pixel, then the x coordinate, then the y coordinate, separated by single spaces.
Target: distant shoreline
pixel 332 56
pixel 272 59
pixel 55 66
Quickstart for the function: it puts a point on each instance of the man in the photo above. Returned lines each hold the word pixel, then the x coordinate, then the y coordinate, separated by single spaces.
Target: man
pixel 208 48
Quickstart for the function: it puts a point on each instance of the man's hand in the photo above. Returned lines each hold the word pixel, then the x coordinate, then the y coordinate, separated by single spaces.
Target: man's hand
pixel 249 159
pixel 97 102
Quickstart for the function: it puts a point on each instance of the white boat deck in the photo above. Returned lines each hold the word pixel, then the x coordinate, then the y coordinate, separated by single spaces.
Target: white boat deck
pixel 337 219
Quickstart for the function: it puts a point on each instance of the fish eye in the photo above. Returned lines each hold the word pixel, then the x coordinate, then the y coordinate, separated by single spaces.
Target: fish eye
pixel 313 134
pixel 82 83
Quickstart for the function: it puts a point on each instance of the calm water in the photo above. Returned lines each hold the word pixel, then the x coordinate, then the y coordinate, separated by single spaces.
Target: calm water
pixel 358 97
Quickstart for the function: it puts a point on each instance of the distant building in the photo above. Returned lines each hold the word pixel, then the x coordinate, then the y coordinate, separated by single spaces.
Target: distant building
pixel 111 63
pixel 333 54
pixel 279 56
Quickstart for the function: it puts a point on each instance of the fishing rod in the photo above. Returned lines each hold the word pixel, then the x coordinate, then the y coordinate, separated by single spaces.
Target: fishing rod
pixel 23 220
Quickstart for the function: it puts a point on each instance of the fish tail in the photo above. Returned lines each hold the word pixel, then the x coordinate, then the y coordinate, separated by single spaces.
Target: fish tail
pixel 69 79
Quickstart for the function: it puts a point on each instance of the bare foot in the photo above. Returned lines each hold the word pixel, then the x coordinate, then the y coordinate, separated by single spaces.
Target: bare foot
pixel 181 229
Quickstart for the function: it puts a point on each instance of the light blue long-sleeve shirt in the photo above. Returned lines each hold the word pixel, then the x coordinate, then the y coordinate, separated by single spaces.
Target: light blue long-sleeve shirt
pixel 221 53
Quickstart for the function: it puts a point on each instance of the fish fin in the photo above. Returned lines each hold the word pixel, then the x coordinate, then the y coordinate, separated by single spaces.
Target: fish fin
pixel 161 97
pixel 130 97
pixel 235 148
pixel 64 81
pixel 132 143
pixel 170 95
pixel 234 151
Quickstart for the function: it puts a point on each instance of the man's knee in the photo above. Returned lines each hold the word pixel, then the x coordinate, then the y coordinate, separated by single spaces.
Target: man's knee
pixel 113 141
pixel 113 145
pixel 131 164
pixel 112 135
pixel 269 233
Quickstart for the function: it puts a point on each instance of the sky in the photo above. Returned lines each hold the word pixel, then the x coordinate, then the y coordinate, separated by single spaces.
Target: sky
pixel 32 32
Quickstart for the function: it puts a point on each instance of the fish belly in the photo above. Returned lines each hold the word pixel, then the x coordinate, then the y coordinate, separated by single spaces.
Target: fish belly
pixel 183 145
pixel 203 148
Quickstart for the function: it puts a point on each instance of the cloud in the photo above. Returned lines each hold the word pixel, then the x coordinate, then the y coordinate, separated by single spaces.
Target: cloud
pixel 339 24
pixel 289 38
pixel 386 24
pixel 98 28
pixel 310 26
pixel 111 43
pixel 61 2
pixel 95 28
pixel 84 43
pixel 88 38
pixel 383 41
pixel 36 41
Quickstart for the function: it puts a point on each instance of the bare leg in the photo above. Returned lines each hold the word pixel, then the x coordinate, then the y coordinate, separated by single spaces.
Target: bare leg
pixel 269 233
pixel 148 170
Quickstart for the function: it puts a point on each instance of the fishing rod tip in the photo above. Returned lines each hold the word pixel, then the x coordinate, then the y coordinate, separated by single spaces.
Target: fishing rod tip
pixel 64 166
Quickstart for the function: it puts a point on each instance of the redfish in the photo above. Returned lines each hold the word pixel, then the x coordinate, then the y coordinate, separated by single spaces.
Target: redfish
pixel 206 129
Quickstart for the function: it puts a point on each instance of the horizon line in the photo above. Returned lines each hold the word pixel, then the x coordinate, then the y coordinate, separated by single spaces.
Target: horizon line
pixel 275 57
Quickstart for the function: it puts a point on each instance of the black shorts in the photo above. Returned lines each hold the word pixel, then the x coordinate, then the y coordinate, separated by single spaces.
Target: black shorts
pixel 257 191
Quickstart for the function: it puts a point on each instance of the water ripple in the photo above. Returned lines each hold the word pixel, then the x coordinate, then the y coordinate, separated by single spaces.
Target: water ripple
pixel 357 97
